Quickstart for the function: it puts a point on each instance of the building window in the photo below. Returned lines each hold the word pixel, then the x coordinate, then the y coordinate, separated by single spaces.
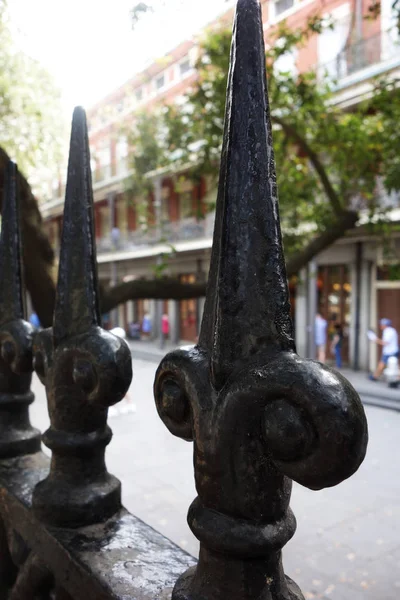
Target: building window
pixel 160 82
pixel 165 195
pixel 122 151
pixel 122 215
pixel 139 94
pixel 103 170
pixel 184 67
pixel 185 205
pixel 281 6
pixel 331 42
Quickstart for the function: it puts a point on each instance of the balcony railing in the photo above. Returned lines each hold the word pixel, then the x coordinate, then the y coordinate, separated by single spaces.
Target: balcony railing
pixel 168 232
pixel 102 172
pixel 362 54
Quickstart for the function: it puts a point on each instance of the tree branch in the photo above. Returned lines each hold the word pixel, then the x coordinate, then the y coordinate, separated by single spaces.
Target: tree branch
pixel 157 289
pixel 345 222
pixel 37 253
pixel 291 132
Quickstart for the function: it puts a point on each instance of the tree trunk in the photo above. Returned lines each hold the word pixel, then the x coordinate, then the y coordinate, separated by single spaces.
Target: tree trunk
pixel 156 289
pixel 38 255
pixel 337 230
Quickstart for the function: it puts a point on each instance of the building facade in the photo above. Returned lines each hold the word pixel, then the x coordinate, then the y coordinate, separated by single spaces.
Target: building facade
pixel 352 283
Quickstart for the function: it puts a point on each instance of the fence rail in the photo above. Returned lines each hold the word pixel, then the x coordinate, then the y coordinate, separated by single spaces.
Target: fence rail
pixel 258 414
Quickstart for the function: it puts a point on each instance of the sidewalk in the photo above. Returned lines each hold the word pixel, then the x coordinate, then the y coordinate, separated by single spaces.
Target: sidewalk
pixel 151 350
pixel 375 393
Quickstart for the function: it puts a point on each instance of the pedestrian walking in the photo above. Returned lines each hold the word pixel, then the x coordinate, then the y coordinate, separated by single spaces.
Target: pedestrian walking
pixel 164 329
pixel 146 325
pixel 390 346
pixel 336 347
pixel 320 333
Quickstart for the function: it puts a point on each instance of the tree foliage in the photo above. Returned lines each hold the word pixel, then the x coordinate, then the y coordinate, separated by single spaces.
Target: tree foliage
pixel 331 163
pixel 31 121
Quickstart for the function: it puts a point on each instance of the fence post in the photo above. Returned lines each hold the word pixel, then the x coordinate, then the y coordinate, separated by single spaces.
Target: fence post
pixel 84 368
pixel 258 414
pixel 17 436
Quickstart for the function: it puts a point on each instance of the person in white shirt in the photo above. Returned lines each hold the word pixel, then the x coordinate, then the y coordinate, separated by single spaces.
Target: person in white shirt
pixel 390 343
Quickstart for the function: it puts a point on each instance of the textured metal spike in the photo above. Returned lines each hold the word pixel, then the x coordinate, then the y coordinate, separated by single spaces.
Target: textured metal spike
pixel 11 294
pixel 249 288
pixel 77 304
pixel 259 414
pixel 85 369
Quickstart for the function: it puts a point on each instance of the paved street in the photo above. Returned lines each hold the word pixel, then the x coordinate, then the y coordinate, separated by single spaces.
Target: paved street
pixel 347 545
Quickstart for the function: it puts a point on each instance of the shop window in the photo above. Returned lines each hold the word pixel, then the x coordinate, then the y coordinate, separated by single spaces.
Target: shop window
pixel 188 313
pixel 334 299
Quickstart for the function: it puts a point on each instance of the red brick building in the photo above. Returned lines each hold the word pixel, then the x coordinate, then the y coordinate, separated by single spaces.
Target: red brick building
pixel 353 52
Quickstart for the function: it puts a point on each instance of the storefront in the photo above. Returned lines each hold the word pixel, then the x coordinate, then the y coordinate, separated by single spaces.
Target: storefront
pixel 334 302
pixel 188 314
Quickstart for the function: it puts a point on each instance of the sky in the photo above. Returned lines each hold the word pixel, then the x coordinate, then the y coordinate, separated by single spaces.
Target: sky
pixel 89 45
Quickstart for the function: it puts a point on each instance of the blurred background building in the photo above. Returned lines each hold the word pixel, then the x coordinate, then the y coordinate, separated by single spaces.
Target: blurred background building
pixel 350 283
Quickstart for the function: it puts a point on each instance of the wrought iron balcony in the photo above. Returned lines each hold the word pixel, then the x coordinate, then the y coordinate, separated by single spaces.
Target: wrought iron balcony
pixel 168 232
pixel 355 57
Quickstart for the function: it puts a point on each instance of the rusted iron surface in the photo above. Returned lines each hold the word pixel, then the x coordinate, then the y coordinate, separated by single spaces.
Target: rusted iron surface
pixel 259 415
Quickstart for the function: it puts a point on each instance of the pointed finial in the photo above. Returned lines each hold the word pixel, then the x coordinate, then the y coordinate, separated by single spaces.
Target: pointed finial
pixel 259 414
pixel 248 292
pixel 84 368
pixel 77 303
pixel 11 294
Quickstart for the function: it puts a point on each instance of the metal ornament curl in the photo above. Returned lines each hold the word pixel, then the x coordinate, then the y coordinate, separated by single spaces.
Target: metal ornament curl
pixel 258 414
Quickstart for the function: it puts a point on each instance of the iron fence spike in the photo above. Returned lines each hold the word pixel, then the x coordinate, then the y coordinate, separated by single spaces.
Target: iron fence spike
pixel 11 290
pixel 77 302
pixel 247 306
pixel 17 436
pixel 260 415
pixel 84 368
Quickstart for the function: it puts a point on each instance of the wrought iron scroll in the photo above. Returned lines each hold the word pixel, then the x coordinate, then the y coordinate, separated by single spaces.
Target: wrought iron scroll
pixel 259 415
pixel 84 368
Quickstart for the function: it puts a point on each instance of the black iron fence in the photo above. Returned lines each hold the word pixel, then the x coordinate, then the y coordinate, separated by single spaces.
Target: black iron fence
pixel 258 414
